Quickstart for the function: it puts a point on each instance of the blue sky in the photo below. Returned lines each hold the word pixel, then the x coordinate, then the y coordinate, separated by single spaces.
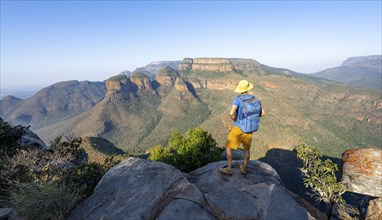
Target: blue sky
pixel 43 42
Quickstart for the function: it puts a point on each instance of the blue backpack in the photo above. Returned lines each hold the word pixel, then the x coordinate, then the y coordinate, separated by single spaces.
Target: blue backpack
pixel 249 119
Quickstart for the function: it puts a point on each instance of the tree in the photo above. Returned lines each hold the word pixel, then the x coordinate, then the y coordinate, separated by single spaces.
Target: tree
pixel 320 176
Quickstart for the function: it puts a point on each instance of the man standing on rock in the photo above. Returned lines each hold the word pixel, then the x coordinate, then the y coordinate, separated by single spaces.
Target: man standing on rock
pixel 246 111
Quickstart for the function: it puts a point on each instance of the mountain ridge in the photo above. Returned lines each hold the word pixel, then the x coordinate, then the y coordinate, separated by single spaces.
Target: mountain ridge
pixel 137 112
pixel 361 71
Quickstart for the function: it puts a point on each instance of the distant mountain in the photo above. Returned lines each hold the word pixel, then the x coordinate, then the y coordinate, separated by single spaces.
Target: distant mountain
pixel 21 93
pixel 138 112
pixel 53 103
pixel 364 71
pixel 152 69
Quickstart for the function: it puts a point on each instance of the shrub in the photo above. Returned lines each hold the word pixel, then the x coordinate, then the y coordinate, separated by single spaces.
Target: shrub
pixel 44 200
pixel 320 176
pixel 71 149
pixel 86 176
pixel 160 153
pixel 41 184
pixel 188 153
pixel 9 135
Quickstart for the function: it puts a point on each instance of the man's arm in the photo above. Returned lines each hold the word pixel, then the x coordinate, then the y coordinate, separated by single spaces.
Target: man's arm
pixel 262 112
pixel 232 113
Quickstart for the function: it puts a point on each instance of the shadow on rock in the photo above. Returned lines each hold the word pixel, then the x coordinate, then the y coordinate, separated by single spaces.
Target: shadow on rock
pixel 288 165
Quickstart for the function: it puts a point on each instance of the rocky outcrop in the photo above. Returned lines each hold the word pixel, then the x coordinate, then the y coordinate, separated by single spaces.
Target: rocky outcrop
pixel 186 64
pixel 166 76
pixel 180 85
pixel 362 171
pixel 374 209
pixel 155 66
pixel 244 64
pixel 373 60
pixel 207 64
pixel 185 90
pixel 31 140
pixel 216 84
pixel 136 83
pixel 141 189
pixel 362 71
pixel 124 85
pixel 8 214
pixel 141 81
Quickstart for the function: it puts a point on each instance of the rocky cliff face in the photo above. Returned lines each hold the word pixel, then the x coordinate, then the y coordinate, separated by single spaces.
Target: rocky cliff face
pixel 115 87
pixel 362 171
pixel 216 84
pixel 207 64
pixel 186 64
pixel 244 64
pixel 143 83
pixel 167 76
pixel 121 84
pixel 365 71
pixel 369 61
pixel 141 189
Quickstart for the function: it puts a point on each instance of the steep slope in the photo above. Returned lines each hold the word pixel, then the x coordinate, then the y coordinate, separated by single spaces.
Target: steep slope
pixel 152 68
pixel 134 116
pixel 331 116
pixel 138 113
pixel 53 103
pixel 365 71
pixel 98 149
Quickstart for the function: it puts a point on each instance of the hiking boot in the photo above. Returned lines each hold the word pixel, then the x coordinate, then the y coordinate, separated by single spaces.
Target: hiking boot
pixel 225 170
pixel 242 169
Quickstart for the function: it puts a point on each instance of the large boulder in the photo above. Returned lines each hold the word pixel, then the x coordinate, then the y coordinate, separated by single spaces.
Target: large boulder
pixel 8 214
pixel 374 210
pixel 29 139
pixel 142 189
pixel 362 171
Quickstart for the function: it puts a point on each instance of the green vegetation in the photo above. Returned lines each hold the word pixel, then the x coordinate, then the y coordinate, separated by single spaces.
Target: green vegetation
pixel 188 153
pixel 320 176
pixel 167 71
pixel 138 75
pixel 44 201
pixel 299 109
pixel 99 149
pixel 41 184
pixel 8 139
pixel 117 78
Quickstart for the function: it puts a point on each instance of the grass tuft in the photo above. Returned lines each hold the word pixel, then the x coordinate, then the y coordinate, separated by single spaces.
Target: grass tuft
pixel 44 201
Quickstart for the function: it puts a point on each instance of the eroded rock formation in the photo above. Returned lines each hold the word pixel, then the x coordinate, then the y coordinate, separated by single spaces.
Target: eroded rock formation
pixel 118 86
pixel 207 64
pixel 167 76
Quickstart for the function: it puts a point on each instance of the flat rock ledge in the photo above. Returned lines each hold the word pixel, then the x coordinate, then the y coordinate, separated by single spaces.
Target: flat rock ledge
pixel 142 189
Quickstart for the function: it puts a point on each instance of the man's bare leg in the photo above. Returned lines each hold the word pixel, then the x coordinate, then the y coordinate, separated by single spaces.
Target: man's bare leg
pixel 228 152
pixel 246 158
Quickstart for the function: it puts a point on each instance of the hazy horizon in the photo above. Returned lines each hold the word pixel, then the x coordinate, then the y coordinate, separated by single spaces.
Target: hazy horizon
pixel 47 42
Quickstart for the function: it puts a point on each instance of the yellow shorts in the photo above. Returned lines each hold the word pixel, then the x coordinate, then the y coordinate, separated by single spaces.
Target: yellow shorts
pixel 236 136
